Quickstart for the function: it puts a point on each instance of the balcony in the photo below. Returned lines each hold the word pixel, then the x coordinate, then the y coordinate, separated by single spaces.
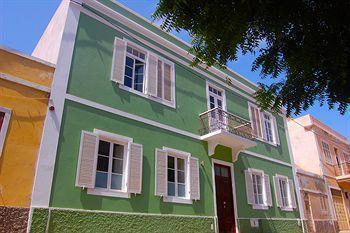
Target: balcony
pixel 342 173
pixel 223 128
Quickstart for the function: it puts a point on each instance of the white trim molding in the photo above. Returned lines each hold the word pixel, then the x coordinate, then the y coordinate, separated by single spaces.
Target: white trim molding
pixel 49 142
pixel 4 126
pixel 24 82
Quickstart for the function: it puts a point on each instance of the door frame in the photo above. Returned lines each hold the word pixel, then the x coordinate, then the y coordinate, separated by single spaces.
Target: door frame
pixel 230 165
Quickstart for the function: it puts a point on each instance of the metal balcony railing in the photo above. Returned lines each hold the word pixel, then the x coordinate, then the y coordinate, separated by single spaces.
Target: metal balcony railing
pixel 218 119
pixel 342 169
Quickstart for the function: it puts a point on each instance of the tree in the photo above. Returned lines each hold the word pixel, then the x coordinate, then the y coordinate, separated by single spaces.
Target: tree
pixel 302 45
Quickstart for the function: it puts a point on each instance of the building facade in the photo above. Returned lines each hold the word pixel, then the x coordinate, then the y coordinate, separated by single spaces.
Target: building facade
pixel 321 158
pixel 140 141
pixel 24 93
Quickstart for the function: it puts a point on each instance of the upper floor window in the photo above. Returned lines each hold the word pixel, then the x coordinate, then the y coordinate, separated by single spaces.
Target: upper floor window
pixel 176 176
pixel 264 125
pixel 258 189
pixel 4 123
pixel 327 152
pixel 137 70
pixel 135 65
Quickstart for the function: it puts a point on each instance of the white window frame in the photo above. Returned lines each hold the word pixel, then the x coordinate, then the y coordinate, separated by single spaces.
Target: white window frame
pixel 290 205
pixel 330 159
pixel 274 127
pixel 132 56
pixel 186 156
pixel 224 107
pixel 260 173
pixel 172 82
pixel 4 127
pixel 172 103
pixel 122 140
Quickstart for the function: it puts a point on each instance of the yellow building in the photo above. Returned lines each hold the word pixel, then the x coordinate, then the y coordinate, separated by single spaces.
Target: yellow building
pixel 24 95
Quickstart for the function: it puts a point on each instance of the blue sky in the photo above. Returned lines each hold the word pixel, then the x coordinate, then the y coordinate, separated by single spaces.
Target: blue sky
pixel 22 22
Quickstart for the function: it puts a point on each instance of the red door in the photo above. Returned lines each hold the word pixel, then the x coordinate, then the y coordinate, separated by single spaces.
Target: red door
pixel 224 201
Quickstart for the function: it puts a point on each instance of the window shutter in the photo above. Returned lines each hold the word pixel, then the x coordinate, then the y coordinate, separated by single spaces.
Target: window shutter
pixel 275 127
pixel 118 62
pixel 194 179
pixel 292 194
pixel 161 173
pixel 86 171
pixel 268 190
pixel 152 62
pixel 135 168
pixel 255 120
pixel 249 187
pixel 277 191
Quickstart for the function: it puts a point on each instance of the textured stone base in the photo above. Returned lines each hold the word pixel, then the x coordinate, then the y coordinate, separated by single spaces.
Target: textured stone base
pixel 13 219
pixel 62 220
pixel 271 226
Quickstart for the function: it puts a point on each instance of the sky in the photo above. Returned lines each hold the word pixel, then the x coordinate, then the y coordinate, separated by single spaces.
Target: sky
pixel 22 22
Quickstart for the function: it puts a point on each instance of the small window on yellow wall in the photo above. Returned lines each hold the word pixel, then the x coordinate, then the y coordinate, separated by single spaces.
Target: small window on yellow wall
pixel 4 123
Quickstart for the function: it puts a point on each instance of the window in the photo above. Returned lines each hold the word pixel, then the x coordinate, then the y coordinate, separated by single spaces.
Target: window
pixel 323 202
pixel 4 123
pixel 327 152
pixel 143 73
pixel 284 192
pixel 258 189
pixel 134 69
pixel 268 127
pixel 109 164
pixel 264 125
pixel 176 177
pixel 164 80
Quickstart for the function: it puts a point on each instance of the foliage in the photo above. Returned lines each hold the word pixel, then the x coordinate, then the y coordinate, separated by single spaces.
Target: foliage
pixel 303 45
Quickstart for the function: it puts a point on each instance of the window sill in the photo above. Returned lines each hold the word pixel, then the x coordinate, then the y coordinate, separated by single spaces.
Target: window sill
pixel 108 193
pixel 267 142
pixel 177 200
pixel 260 207
pixel 287 209
pixel 156 99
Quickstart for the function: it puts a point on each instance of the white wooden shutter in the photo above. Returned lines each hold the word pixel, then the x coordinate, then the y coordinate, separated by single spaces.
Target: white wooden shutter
pixel 135 168
pixel 268 197
pixel 194 179
pixel 292 194
pixel 275 127
pixel 161 173
pixel 152 62
pixel 249 187
pixel 255 119
pixel 277 191
pixel 118 61
pixel 86 170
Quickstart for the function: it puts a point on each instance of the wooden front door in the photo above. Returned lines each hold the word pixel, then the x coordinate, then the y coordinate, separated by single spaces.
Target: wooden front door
pixel 224 200
pixel 339 210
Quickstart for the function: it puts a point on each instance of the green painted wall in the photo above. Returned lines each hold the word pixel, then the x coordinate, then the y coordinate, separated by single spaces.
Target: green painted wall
pixel 62 221
pixel 90 79
pixel 76 118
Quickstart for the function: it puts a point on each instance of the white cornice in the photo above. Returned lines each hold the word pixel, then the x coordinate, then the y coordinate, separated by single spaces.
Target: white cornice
pixel 24 82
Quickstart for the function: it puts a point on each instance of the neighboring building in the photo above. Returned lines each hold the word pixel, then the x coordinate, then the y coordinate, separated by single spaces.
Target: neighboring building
pixel 24 93
pixel 322 160
pixel 140 141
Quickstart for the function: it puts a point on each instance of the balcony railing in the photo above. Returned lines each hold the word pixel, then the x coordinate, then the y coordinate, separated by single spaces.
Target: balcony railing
pixel 218 119
pixel 342 169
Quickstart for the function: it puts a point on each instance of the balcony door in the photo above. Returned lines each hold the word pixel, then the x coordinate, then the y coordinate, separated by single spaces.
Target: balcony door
pixel 216 100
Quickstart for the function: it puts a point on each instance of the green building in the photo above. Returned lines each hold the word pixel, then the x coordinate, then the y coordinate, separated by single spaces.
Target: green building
pixel 137 140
